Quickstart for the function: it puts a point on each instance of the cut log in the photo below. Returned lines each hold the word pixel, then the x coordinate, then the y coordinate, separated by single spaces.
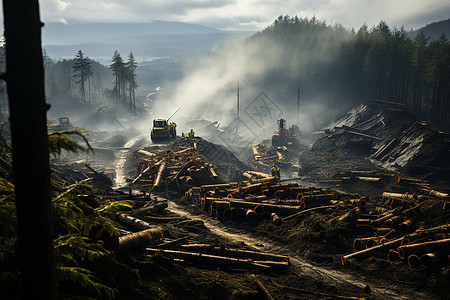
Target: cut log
pixel 384 149
pixel 258 174
pixel 250 215
pixel 132 222
pixel 398 196
pixel 205 188
pixel 159 175
pixel 141 238
pixel 268 180
pixel 276 219
pixel 432 259
pixel 278 209
pixel 362 134
pixel 213 172
pixel 247 254
pixel 363 254
pixel 248 175
pixel 208 259
pixel 140 175
pixel 393 244
pixel 414 261
pixel 220 205
pixel 422 248
pixel 160 220
pixel 146 153
pixel 173 242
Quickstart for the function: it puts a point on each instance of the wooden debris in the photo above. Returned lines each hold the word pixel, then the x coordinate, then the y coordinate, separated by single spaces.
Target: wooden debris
pixel 140 238
pixel 262 287
pixel 221 261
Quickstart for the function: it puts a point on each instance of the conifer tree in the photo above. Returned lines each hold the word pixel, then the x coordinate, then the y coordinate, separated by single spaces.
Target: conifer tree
pixel 131 66
pixel 82 70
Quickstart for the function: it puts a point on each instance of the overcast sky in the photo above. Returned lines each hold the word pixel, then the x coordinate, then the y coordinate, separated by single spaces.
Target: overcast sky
pixel 248 14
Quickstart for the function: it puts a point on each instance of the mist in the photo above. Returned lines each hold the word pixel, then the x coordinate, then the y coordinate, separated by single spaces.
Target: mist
pixel 268 71
pixel 276 73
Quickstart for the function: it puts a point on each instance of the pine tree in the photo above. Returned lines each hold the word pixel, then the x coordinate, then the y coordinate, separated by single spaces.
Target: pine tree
pixel 131 66
pixel 118 69
pixel 82 69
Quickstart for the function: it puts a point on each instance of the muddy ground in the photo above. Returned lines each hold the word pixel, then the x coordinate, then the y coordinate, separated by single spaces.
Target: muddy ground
pixel 314 242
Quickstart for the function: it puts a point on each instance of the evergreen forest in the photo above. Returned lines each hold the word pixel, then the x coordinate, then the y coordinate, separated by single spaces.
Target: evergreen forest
pixel 341 65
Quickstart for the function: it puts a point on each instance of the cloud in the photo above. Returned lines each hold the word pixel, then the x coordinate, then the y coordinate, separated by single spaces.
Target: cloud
pixel 249 14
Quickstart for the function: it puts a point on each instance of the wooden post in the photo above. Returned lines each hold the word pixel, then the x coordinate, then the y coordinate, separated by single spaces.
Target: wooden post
pixel 31 167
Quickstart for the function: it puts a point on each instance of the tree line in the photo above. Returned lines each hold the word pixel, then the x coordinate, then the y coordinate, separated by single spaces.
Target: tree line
pixel 347 65
pixel 84 79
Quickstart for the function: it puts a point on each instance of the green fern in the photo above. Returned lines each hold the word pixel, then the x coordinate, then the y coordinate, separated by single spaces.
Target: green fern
pixel 58 141
pixel 86 279
pixel 82 233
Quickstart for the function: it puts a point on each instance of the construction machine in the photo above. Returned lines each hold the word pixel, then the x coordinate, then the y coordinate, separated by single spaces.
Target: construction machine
pixel 162 131
pixel 284 136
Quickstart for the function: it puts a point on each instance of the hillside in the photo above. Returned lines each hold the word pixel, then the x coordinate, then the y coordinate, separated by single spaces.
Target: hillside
pixel 433 30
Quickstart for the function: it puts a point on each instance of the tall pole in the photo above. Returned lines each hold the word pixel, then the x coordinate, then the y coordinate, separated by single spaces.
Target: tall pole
pixel 31 166
pixel 238 101
pixel 298 102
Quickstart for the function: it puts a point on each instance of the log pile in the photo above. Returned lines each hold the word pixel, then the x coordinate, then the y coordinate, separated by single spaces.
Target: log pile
pixel 155 240
pixel 376 178
pixel 265 199
pixel 389 220
pixel 394 220
pixel 177 167
pixel 262 156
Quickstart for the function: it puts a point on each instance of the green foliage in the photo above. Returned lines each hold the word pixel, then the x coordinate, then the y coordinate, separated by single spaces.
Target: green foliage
pixel 83 235
pixel 341 65
pixel 9 270
pixel 5 154
pixel 75 216
pixel 84 231
pixel 58 141
pixel 71 251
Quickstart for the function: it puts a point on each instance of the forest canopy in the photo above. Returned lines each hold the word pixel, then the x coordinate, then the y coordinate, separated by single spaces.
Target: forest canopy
pixel 347 65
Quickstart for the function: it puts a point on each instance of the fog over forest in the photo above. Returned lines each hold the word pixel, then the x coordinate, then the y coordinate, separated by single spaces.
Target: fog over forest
pixel 295 63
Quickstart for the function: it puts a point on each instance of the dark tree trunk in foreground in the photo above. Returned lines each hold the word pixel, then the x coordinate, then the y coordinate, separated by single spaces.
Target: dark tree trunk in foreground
pixel 25 83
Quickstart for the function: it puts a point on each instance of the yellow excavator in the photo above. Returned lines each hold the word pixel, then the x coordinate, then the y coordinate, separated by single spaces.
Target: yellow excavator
pixel 161 130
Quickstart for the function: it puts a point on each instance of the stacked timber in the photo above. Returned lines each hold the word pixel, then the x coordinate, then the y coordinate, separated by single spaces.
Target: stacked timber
pixel 264 199
pixel 177 167
pixel 394 221
pixel 377 178
pixel 263 156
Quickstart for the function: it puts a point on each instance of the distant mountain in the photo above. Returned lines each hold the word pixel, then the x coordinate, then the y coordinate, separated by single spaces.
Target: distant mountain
pixel 433 30
pixel 153 39
pixel 66 34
